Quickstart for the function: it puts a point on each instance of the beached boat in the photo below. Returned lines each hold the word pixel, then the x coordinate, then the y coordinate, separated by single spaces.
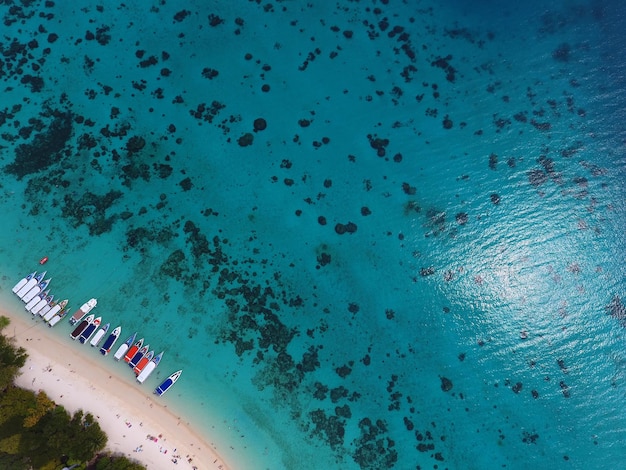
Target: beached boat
pixel 141 363
pixel 91 328
pixel 149 368
pixel 35 290
pixel 58 317
pixel 83 310
pixel 138 355
pixel 81 326
pixel 42 303
pixel 23 282
pixel 110 341
pixel 167 383
pixel 99 335
pixel 32 282
pixel 35 300
pixel 133 350
pixel 124 347
pixel 47 314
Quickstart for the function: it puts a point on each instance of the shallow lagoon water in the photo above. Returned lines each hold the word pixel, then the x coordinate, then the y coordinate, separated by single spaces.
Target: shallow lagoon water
pixel 474 157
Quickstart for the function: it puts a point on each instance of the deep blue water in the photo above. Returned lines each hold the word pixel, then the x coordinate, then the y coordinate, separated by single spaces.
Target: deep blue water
pixel 373 234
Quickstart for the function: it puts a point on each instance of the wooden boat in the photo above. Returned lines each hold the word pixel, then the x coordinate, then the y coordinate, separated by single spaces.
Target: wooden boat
pixel 124 347
pixel 23 282
pixel 91 328
pixel 133 350
pixel 167 383
pixel 35 300
pixel 141 363
pixel 149 368
pixel 42 303
pixel 53 310
pixel 58 317
pixel 110 341
pixel 83 310
pixel 32 282
pixel 99 335
pixel 81 327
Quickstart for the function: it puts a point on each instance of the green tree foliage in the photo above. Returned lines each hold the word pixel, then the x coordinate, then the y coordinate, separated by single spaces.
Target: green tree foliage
pixel 11 358
pixel 114 462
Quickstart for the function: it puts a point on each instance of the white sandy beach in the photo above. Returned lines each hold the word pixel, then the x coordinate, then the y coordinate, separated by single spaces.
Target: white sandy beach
pixel 127 414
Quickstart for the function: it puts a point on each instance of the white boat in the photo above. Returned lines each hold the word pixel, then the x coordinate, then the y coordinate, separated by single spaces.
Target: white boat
pixel 42 303
pixel 149 368
pixel 35 290
pixel 110 341
pixel 124 347
pixel 32 282
pixel 35 300
pixel 81 326
pixel 53 310
pixel 167 383
pixel 23 282
pixel 58 317
pixel 91 328
pixel 83 310
pixel 99 335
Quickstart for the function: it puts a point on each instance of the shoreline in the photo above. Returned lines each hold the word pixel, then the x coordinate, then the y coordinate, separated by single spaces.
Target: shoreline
pixel 129 416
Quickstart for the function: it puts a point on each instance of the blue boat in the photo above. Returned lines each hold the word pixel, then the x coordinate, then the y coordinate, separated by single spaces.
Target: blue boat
pixel 138 355
pixel 110 341
pixel 167 383
pixel 91 328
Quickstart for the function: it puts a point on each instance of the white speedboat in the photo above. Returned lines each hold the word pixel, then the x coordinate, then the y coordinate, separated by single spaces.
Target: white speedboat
pixel 58 317
pixel 167 383
pixel 35 300
pixel 23 282
pixel 99 335
pixel 124 347
pixel 42 303
pixel 83 310
pixel 149 368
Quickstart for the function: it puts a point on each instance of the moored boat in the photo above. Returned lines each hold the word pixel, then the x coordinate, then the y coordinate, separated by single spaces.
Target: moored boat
pixel 141 363
pixel 42 303
pixel 99 335
pixel 43 260
pixel 167 383
pixel 81 326
pixel 124 347
pixel 83 310
pixel 53 310
pixel 58 317
pixel 133 350
pixel 149 368
pixel 35 290
pixel 35 300
pixel 110 341
pixel 138 355
pixel 91 328
pixel 32 282
pixel 23 282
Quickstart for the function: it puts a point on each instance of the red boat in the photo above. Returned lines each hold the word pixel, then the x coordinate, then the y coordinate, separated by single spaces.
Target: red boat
pixel 43 260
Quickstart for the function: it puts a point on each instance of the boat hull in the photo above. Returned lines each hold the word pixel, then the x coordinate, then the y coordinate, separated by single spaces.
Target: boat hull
pixel 99 335
pixel 83 310
pixel 167 383
pixel 26 287
pixel 110 341
pixel 81 327
pixel 90 330
pixel 41 304
pixel 23 282
pixel 138 356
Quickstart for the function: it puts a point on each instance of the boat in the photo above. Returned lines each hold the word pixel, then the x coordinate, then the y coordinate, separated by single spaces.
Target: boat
pixel 32 282
pixel 43 260
pixel 167 383
pixel 149 368
pixel 35 300
pixel 110 341
pixel 141 363
pixel 91 328
pixel 124 347
pixel 35 290
pixel 99 335
pixel 81 327
pixel 53 310
pixel 58 317
pixel 133 350
pixel 138 355
pixel 23 282
pixel 83 310
pixel 42 303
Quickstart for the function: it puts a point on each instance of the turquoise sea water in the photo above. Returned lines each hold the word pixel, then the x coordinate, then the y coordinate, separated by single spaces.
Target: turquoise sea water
pixel 473 154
